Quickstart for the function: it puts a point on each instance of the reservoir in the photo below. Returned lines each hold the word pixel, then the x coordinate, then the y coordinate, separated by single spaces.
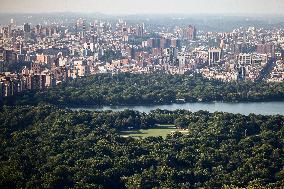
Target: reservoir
pixel 264 108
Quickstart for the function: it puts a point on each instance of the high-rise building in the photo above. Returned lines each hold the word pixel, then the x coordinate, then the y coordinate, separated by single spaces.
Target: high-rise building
pixel 154 42
pixel 244 59
pixel 12 22
pixel 9 30
pixel 214 55
pixel 238 48
pixel 241 73
pixel 38 29
pixel 175 43
pixel 2 54
pixel 10 56
pixel 190 33
pixel 81 28
pixel 5 31
pixel 21 49
pixel 27 28
pixel 36 68
pixel 140 30
pixel 268 48
pixel 255 59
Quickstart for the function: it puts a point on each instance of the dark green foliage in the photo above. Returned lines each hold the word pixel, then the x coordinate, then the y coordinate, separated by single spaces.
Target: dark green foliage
pixel 48 147
pixel 126 89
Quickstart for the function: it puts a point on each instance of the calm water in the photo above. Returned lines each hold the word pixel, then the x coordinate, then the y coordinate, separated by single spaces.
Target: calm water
pixel 264 108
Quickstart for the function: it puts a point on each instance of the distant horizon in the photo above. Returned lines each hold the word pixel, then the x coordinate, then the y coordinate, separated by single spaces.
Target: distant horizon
pixel 147 14
pixel 132 7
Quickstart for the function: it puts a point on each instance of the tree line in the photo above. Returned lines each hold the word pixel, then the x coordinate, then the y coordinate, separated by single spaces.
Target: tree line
pixel 141 89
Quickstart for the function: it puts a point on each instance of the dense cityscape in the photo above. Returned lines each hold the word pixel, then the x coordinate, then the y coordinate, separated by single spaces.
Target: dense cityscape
pixel 49 54
pixel 145 94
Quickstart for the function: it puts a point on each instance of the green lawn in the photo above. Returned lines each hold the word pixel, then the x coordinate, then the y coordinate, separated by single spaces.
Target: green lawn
pixel 159 130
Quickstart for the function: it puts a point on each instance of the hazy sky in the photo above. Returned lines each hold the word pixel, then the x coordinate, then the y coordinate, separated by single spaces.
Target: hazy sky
pixel 145 6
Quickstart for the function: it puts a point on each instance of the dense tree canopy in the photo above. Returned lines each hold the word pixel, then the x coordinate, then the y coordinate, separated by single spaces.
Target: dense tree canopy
pixel 48 147
pixel 126 89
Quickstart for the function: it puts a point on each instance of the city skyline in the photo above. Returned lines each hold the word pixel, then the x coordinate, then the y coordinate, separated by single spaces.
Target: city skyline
pixel 145 7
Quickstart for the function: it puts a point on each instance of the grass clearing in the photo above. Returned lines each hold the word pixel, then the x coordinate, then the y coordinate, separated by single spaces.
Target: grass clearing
pixel 159 130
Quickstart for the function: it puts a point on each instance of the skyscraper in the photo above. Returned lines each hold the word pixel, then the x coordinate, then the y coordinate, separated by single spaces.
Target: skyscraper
pixel 268 48
pixel 190 33
pixel 214 55
pixel 84 29
pixel 140 30
pixel 27 28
